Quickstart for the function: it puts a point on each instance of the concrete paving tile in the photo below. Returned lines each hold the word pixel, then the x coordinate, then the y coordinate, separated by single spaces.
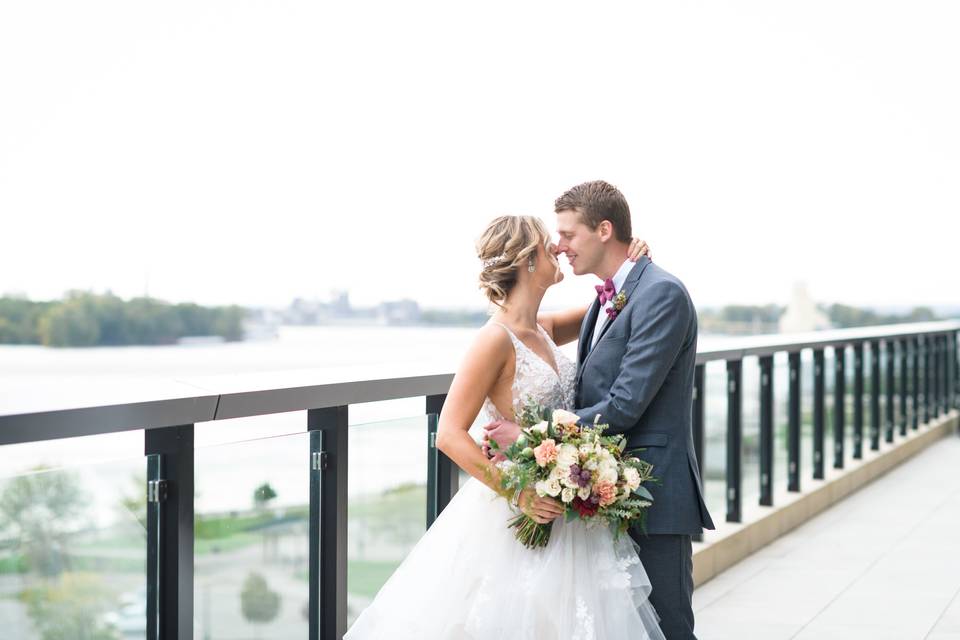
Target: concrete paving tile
pixel 891 610
pixel 860 632
pixel 882 563
pixel 750 632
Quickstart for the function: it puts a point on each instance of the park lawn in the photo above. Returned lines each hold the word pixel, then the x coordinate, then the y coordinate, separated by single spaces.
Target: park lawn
pixel 366 577
pixel 402 502
pixel 203 546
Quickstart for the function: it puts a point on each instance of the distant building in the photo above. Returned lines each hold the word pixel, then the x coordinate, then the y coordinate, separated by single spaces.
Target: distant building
pixel 399 312
pixel 802 314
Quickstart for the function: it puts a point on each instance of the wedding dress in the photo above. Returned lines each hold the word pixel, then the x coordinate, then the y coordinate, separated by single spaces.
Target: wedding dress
pixel 468 578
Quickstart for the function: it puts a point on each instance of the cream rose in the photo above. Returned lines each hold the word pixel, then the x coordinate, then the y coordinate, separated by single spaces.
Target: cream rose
pixel 607 474
pixel 553 487
pixel 561 416
pixel 632 477
pixel 567 455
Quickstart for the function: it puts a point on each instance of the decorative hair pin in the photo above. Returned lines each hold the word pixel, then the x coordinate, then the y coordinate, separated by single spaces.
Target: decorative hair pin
pixel 490 262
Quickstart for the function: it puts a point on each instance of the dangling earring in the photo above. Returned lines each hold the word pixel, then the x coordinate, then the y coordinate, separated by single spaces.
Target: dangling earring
pixel 530 266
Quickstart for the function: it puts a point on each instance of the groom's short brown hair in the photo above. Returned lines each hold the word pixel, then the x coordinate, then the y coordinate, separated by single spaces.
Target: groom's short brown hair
pixel 597 201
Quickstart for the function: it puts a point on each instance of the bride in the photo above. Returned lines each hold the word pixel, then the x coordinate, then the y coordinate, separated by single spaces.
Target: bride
pixel 468 578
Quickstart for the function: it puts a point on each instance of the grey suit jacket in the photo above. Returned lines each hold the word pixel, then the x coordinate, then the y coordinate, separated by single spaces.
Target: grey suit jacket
pixel 639 378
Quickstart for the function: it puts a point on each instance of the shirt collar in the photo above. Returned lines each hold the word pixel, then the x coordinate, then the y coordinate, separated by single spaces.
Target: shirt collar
pixel 621 275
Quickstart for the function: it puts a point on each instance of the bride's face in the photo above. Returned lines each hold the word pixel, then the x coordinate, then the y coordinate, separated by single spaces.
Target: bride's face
pixel 547 271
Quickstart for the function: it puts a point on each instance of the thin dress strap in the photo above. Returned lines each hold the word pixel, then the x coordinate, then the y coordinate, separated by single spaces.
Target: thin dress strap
pixel 513 338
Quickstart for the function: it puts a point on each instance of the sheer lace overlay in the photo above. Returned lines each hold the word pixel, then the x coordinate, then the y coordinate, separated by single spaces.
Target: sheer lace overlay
pixel 534 380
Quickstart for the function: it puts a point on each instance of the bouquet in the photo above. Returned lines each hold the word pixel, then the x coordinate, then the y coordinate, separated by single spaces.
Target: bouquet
pixel 587 471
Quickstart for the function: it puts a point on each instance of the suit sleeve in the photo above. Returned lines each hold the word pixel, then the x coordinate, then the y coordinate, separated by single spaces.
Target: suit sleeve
pixel 660 324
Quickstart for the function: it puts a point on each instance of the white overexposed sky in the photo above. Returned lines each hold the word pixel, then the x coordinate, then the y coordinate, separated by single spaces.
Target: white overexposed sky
pixel 251 152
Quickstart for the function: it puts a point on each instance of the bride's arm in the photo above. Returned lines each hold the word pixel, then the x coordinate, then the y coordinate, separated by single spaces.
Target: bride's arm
pixel 563 326
pixel 481 369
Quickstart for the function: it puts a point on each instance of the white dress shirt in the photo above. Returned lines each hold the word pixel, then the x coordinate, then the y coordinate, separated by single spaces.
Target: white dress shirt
pixel 618 279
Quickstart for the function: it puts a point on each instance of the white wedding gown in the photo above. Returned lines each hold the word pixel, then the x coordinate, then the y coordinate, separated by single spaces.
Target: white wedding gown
pixel 468 578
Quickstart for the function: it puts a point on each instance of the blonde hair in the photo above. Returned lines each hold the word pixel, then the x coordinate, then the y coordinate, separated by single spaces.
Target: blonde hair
pixel 507 245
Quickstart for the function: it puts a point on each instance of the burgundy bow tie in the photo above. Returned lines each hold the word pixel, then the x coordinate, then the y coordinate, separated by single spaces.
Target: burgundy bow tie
pixel 606 291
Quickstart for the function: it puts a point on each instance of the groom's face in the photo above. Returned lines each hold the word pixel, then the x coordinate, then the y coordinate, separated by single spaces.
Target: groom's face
pixel 578 242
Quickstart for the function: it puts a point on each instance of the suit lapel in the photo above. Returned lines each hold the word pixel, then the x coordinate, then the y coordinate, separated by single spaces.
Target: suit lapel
pixel 583 342
pixel 628 286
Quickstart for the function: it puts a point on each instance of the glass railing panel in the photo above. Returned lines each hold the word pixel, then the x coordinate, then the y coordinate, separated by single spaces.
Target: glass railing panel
pixel 387 489
pixel 252 502
pixel 715 435
pixel 73 550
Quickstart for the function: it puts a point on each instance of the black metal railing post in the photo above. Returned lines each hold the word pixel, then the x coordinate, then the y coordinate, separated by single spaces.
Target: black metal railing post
pixel 818 413
pixel 793 424
pixel 944 373
pixel 954 359
pixel 329 438
pixel 951 359
pixel 944 380
pixel 875 395
pixel 170 532
pixel 858 401
pixel 904 379
pixel 915 387
pixel 443 475
pixel 734 440
pixel 839 404
pixel 935 368
pixel 766 431
pixel 925 396
pixel 888 360
pixel 947 377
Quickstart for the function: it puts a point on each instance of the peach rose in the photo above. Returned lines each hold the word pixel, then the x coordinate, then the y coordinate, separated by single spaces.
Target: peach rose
pixel 545 452
pixel 607 491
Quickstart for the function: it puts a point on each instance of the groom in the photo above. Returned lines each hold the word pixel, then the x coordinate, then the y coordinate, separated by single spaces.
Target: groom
pixel 635 366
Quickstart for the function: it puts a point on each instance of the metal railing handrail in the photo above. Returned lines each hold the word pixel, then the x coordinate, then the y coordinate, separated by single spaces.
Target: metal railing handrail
pixel 765 345
pixel 225 397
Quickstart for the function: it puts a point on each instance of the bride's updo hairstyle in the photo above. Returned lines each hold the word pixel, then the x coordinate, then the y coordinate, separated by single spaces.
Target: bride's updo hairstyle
pixel 506 246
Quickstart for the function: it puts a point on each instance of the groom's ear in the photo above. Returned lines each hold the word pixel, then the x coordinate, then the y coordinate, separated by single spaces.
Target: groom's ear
pixel 605 229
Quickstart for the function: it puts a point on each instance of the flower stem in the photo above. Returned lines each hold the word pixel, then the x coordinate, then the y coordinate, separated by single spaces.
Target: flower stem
pixel 531 533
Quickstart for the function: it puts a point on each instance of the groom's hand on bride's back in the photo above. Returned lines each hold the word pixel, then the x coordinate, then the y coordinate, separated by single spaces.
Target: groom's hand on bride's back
pixel 504 433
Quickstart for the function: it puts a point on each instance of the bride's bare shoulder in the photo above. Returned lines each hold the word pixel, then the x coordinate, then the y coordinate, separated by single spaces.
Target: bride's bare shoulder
pixel 491 346
pixel 493 337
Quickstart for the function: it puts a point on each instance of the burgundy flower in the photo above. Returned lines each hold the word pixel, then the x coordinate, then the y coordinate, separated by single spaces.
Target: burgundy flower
pixel 586 509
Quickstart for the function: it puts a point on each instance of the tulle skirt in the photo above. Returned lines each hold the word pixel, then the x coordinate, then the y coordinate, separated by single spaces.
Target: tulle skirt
pixel 468 578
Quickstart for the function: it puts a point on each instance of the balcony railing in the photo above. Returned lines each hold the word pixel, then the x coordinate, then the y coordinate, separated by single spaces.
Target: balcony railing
pixel 912 374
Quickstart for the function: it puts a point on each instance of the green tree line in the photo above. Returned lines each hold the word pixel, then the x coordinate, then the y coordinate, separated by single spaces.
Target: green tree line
pixel 766 317
pixel 84 319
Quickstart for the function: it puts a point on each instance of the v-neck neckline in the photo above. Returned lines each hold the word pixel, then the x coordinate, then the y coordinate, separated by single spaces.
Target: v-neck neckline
pixel 543 332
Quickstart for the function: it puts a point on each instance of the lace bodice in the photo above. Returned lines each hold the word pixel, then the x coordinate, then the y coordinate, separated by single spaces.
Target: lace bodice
pixel 534 380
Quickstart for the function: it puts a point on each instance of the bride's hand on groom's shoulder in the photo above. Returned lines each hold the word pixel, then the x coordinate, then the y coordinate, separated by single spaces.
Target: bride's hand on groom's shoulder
pixel 639 248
